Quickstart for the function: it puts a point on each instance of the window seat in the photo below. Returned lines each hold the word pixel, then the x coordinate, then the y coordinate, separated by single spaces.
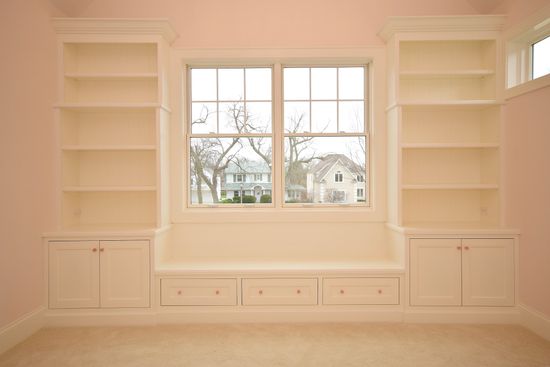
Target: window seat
pixel 256 266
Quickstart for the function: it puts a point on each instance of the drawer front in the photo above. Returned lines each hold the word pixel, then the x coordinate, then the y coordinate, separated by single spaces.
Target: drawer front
pixel 361 291
pixel 198 292
pixel 287 291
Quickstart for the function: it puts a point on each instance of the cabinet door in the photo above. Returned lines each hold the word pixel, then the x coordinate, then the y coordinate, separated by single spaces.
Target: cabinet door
pixel 488 272
pixel 435 266
pixel 124 273
pixel 73 274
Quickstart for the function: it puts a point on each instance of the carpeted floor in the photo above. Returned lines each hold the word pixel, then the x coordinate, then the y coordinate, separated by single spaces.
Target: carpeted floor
pixel 269 345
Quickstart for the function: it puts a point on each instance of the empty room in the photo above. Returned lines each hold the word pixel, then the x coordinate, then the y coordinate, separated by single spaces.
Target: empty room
pixel 275 182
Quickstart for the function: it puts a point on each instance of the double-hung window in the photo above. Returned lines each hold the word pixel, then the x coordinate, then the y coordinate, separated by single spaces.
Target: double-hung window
pixel 318 156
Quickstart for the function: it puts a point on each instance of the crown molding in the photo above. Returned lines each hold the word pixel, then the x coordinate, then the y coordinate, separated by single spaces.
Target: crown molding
pixel 460 23
pixel 115 26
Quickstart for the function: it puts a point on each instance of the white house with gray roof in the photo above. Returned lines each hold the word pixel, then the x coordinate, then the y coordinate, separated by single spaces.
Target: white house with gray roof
pixel 336 179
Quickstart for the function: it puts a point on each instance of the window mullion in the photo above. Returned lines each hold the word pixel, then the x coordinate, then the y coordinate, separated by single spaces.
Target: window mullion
pixel 278 140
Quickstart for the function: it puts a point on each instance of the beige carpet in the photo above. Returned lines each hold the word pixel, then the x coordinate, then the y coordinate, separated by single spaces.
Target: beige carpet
pixel 283 345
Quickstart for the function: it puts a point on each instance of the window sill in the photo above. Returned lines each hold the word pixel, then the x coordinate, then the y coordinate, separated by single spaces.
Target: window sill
pixel 527 87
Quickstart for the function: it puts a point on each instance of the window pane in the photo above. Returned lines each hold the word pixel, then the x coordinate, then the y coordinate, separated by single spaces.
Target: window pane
pixel 203 118
pixel 323 117
pixel 541 58
pixel 297 117
pixel 231 84
pixel 224 170
pixel 258 84
pixel 351 83
pixel 351 117
pixel 323 83
pixel 311 165
pixel 258 117
pixel 231 116
pixel 203 84
pixel 296 83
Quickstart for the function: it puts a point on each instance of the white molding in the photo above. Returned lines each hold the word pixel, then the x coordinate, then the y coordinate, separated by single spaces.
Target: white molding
pixel 115 26
pixel 502 315
pixel 100 317
pixel 257 315
pixel 526 87
pixel 20 329
pixel 461 23
pixel 535 321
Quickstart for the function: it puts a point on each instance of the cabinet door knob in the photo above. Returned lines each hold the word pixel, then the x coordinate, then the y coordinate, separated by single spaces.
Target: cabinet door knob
pixel 458 247
pixel 101 249
pixel 466 247
pixel 94 250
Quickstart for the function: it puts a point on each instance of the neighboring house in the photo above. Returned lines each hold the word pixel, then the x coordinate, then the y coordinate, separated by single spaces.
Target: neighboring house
pixel 247 178
pixel 336 179
pixel 204 189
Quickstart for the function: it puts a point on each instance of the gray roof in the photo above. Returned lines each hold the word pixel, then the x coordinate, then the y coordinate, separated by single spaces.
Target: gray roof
pixel 325 164
pixel 248 167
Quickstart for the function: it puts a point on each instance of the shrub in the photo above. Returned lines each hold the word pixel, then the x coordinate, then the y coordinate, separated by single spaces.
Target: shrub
pixel 226 201
pixel 249 199
pixel 265 199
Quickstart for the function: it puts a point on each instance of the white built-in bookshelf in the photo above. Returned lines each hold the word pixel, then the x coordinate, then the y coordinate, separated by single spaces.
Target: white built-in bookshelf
pixel 112 118
pixel 444 119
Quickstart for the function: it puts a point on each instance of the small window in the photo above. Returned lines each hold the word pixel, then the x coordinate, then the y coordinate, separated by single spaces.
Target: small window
pixel 360 193
pixel 338 177
pixel 360 178
pixel 239 178
pixel 258 177
pixel 541 57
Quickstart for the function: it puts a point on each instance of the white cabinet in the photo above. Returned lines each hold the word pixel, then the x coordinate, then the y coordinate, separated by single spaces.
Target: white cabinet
pixel 91 274
pixel 467 272
pixel 198 292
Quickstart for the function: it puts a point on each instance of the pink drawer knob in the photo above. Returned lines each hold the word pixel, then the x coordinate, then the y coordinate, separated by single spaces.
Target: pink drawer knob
pixel 298 291
pixel 217 292
pixel 341 291
pixel 260 292
pixel 179 293
pixel 380 291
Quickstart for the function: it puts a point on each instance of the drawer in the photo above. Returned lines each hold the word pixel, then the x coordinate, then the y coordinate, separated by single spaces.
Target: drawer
pixel 361 291
pixel 198 292
pixel 283 291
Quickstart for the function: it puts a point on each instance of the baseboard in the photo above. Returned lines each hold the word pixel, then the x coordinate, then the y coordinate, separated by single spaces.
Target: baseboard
pixel 70 318
pixel 20 329
pixel 276 316
pixel 463 316
pixel 535 321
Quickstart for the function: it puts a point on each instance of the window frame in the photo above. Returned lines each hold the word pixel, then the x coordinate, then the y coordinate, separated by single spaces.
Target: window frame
pixel 373 57
pixel 519 41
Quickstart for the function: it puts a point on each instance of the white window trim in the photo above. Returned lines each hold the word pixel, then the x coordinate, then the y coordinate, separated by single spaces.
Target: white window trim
pixel 519 57
pixel 373 56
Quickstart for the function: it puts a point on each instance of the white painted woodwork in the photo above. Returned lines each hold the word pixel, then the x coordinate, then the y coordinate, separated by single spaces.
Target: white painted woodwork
pixel 488 272
pixel 73 274
pixel 198 292
pixel 462 272
pixel 124 273
pixel 360 291
pixel 435 272
pixel 280 291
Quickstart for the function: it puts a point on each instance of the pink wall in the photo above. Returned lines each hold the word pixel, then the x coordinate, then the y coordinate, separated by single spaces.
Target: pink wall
pixel 518 10
pixel 27 89
pixel 527 176
pixel 275 23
